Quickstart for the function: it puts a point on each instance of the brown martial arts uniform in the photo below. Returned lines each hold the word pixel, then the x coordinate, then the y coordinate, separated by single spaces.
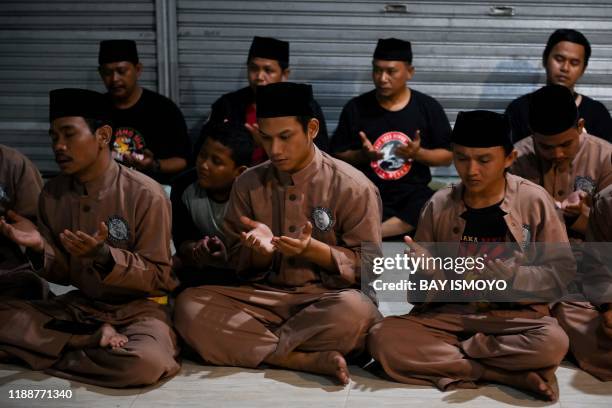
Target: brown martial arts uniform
pixel 20 185
pixel 581 320
pixel 590 170
pixel 448 344
pixel 128 294
pixel 295 305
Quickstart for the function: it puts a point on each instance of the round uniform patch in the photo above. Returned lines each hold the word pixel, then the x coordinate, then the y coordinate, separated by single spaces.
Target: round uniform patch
pixel 322 218
pixel 128 141
pixel 391 167
pixel 584 183
pixel 118 229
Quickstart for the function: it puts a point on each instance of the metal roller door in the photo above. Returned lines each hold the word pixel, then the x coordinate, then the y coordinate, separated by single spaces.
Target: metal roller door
pixel 467 54
pixel 53 44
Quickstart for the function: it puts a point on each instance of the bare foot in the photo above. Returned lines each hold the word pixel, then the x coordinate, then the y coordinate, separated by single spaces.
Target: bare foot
pixel 544 386
pixel 105 336
pixel 110 338
pixel 322 362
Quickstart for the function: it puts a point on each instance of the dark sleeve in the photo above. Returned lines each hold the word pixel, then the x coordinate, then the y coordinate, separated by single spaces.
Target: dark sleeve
pixel 438 125
pixel 175 132
pixel 183 228
pixel 346 136
pixel 322 139
pixel 599 122
pixel 518 114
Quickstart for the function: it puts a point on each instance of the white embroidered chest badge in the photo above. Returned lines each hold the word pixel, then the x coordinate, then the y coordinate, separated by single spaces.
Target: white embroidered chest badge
pixel 118 229
pixel 322 218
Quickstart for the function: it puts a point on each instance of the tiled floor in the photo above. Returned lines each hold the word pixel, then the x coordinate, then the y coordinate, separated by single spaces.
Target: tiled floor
pixel 205 386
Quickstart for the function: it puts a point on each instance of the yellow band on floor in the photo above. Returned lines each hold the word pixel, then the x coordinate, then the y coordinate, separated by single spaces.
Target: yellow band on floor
pixel 162 300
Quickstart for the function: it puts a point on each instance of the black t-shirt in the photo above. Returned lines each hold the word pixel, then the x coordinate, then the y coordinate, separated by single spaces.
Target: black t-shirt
pixel 386 129
pixel 154 123
pixel 597 120
pixel 484 227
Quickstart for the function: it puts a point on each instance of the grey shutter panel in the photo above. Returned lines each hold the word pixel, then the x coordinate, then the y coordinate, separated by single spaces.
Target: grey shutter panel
pixel 53 44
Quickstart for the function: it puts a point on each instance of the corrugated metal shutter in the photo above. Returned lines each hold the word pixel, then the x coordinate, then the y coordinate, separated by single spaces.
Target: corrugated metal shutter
pixel 468 54
pixel 47 45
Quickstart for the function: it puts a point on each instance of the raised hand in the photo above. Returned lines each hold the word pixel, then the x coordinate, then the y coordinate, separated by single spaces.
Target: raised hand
pixel 83 245
pixel 574 204
pixel 254 131
pixel 409 150
pixel 294 246
pixel 21 231
pixel 368 150
pixel 258 237
pixel 209 247
pixel 146 163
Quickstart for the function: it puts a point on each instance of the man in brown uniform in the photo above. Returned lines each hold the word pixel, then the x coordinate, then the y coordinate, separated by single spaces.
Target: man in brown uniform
pixel 454 345
pixel 105 229
pixel 294 228
pixel 589 323
pixel 20 185
pixel 570 164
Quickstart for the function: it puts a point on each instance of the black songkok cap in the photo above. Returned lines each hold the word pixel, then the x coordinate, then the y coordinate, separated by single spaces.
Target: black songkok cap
pixel 270 48
pixel 117 50
pixel 284 99
pixel 481 128
pixel 393 49
pixel 552 110
pixel 78 102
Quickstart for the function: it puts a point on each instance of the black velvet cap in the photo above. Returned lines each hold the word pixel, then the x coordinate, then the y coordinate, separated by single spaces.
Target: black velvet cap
pixel 78 102
pixel 269 48
pixel 393 49
pixel 552 110
pixel 117 50
pixel 284 99
pixel 481 128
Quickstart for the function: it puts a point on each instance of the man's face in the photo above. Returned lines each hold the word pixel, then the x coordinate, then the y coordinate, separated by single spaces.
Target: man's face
pixel 77 151
pixel 287 145
pixel 561 148
pixel 565 64
pixel 263 71
pixel 481 167
pixel 390 77
pixel 120 78
pixel 215 166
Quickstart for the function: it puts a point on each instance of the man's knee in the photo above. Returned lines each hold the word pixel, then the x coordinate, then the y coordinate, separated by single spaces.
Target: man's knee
pixel 550 343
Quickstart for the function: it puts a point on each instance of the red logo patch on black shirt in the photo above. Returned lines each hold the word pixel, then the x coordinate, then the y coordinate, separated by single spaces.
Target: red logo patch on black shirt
pixel 391 167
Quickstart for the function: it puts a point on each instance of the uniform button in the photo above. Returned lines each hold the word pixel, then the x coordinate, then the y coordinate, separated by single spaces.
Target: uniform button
pixel 561 192
pixel 292 197
pixel 456 230
pixel 292 228
pixel 86 208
